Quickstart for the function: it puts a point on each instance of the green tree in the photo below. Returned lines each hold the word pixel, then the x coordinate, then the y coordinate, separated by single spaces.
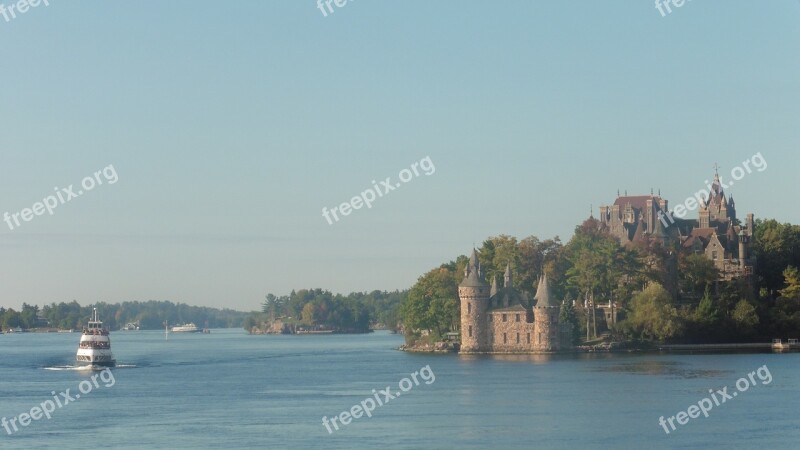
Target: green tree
pixel 745 317
pixel 535 258
pixel 432 303
pixel 776 246
pixel 791 278
pixel 495 253
pixel 706 314
pixel 567 316
pixel 653 315
pixel 698 273
pixel 308 314
pixel 598 264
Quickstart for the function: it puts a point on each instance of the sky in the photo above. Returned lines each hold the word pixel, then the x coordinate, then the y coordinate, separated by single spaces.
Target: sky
pixel 220 130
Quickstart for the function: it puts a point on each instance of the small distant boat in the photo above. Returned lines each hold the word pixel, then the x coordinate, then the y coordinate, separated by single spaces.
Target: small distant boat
pixel 186 328
pixel 132 326
pixel 779 345
pixel 14 330
pixel 66 331
pixel 95 345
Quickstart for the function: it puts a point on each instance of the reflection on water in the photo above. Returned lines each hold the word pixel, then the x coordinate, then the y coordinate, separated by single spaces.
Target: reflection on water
pixel 539 359
pixel 662 368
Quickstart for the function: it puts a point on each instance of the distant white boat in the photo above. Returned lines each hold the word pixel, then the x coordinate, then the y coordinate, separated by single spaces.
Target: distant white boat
pixel 186 328
pixel 132 326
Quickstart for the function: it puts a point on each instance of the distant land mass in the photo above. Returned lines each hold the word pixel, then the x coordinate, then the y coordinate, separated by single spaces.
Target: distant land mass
pixel 320 311
pixel 149 315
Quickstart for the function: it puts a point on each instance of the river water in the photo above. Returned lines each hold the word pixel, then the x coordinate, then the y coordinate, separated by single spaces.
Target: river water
pixel 231 390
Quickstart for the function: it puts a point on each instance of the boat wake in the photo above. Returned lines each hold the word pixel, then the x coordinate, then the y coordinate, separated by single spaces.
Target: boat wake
pixel 89 368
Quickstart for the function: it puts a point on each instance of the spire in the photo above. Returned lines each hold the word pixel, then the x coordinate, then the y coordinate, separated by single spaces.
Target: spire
pixel 507 281
pixel 472 273
pixel 716 185
pixel 493 292
pixel 544 297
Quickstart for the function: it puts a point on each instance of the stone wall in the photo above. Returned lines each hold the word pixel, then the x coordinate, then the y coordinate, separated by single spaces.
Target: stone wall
pixel 511 335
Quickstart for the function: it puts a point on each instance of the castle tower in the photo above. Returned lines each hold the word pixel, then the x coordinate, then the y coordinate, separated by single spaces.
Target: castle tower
pixel 507 281
pixel 742 252
pixel 704 216
pixel 474 295
pixel 545 319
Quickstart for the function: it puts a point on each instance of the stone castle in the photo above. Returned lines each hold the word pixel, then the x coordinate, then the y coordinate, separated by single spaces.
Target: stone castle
pixel 502 320
pixel 716 232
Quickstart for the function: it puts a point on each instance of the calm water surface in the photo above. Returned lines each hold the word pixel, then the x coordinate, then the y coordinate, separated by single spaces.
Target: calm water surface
pixel 231 390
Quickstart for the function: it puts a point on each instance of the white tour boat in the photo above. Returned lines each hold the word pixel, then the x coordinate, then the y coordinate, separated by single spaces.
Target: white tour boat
pixel 186 328
pixel 95 345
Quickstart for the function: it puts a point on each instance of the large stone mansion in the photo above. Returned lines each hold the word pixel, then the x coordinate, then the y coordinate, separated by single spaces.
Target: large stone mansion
pixel 716 232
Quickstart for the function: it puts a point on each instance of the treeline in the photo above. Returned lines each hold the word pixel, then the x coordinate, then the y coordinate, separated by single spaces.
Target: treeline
pixel 149 315
pixel 662 292
pixel 357 312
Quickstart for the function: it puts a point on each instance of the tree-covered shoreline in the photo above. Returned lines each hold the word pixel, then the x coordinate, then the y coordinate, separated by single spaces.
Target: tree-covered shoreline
pixel 149 315
pixel 321 310
pixel 663 293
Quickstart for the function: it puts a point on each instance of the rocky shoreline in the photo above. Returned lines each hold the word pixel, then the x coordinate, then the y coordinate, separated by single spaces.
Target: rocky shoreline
pixel 439 347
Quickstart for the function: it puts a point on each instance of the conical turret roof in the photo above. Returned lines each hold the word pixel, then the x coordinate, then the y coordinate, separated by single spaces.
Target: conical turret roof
pixel 544 297
pixel 472 273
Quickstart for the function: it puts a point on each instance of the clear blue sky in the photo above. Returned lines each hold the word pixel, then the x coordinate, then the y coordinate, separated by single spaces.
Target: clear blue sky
pixel 232 124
